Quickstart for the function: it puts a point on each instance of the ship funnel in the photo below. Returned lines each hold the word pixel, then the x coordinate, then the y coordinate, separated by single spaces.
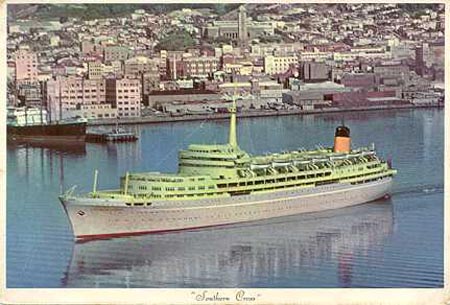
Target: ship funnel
pixel 342 140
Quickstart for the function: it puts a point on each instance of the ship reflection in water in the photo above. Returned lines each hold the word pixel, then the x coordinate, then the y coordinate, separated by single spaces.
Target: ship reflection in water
pixel 76 148
pixel 246 255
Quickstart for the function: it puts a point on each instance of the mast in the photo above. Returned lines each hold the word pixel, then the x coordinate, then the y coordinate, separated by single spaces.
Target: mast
pixel 49 103
pixel 94 187
pixel 42 100
pixel 232 137
pixel 60 103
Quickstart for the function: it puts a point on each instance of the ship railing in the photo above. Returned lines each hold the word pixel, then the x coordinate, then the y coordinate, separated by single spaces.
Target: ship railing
pixel 68 193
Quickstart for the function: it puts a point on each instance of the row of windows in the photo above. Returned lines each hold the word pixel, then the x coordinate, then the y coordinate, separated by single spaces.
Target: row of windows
pixel 127 97
pixel 206 165
pixel 172 188
pixel 367 180
pixel 177 180
pixel 128 114
pixel 81 91
pixel 364 175
pixel 191 195
pixel 206 158
pixel 81 97
pixel 277 180
pixel 79 84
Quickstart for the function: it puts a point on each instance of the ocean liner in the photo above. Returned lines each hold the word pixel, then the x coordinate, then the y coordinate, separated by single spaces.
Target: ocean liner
pixel 31 125
pixel 222 184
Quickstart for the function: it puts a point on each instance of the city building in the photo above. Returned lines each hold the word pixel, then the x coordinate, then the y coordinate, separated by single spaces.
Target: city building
pixel 30 93
pixel 66 94
pixel 428 56
pixel 140 64
pixel 241 29
pixel 125 95
pixel 278 64
pixel 201 66
pixel 26 63
pixel 315 72
pixel 95 70
pixel 113 53
pixel 160 98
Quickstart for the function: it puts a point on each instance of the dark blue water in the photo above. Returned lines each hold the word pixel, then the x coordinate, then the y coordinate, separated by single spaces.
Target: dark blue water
pixel 396 242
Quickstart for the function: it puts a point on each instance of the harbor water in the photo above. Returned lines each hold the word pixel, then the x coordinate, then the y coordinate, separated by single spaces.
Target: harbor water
pixel 394 242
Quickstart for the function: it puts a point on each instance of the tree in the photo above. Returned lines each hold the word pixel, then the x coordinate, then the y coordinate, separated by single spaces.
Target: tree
pixel 176 41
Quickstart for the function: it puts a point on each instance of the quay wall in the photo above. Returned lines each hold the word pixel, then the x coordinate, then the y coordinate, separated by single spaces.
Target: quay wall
pixel 247 114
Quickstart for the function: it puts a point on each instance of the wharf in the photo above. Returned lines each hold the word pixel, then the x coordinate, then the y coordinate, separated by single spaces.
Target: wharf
pixel 249 114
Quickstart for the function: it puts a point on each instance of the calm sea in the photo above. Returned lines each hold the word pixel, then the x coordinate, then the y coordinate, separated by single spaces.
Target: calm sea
pixel 397 242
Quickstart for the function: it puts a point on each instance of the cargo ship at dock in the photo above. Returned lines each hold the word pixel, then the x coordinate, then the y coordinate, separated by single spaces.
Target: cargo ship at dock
pixel 222 184
pixel 30 125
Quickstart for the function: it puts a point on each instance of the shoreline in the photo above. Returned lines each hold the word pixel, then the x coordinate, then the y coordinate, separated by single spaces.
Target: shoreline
pixel 247 114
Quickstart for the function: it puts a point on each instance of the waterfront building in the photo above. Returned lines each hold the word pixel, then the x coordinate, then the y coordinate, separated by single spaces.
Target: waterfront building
pixel 95 111
pixel 306 100
pixel 29 93
pixel 241 87
pixel 65 94
pixel 367 81
pixel 315 72
pixel 160 98
pixel 365 98
pixel 125 95
pixel 269 89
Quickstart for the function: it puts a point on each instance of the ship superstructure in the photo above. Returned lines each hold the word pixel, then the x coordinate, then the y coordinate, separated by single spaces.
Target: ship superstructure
pixel 222 184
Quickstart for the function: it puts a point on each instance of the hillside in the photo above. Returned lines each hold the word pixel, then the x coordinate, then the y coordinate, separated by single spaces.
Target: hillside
pixel 99 11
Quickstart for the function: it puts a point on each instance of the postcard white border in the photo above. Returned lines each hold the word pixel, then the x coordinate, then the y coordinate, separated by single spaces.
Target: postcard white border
pixel 187 295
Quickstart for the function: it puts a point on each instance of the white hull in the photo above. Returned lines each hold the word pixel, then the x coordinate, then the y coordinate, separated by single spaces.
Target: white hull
pixel 94 218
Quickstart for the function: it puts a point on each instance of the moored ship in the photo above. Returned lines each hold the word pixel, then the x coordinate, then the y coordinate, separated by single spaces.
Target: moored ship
pixel 222 184
pixel 31 125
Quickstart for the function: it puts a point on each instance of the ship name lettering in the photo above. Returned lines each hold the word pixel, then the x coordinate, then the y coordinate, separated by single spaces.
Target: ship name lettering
pixel 208 297
pixel 242 297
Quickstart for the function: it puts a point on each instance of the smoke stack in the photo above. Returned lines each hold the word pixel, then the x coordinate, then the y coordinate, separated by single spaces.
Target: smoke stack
pixel 342 140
